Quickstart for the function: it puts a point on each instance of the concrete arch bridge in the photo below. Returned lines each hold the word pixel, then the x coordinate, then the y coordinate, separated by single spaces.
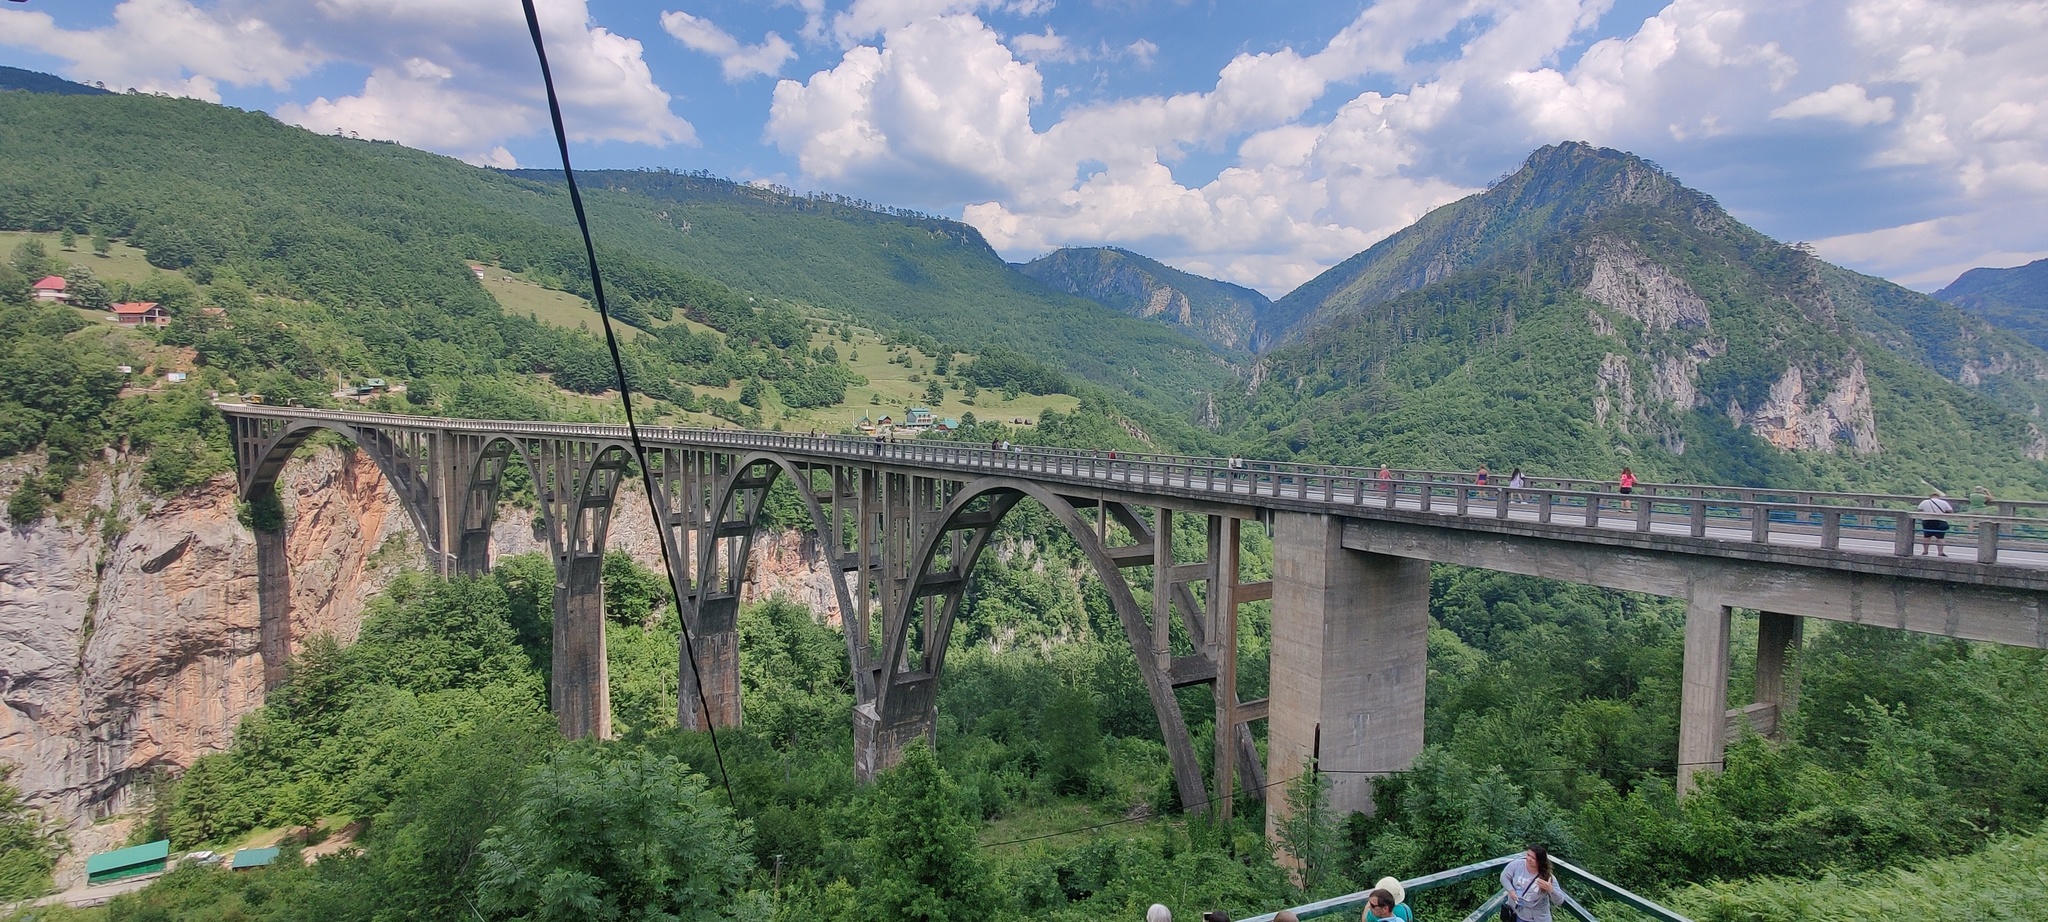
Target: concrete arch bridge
pixel 903 524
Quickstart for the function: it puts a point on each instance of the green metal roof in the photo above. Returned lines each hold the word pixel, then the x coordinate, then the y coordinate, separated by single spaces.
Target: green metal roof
pixel 253 858
pixel 128 857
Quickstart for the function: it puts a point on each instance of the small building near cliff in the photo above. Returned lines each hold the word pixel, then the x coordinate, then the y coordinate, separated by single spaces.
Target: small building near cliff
pixel 124 863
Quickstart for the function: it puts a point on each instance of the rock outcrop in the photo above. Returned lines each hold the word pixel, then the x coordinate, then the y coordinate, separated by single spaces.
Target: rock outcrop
pixel 129 650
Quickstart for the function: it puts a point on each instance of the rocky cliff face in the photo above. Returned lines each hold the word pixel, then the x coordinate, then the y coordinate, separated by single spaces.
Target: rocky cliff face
pixel 128 651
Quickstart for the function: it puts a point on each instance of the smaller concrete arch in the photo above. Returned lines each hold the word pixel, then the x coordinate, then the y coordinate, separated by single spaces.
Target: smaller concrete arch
pixel 723 548
pixel 404 456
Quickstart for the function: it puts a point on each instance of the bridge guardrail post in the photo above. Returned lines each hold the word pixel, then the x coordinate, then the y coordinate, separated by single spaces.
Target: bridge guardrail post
pixel 1902 535
pixel 1644 510
pixel 1592 510
pixel 1544 502
pixel 1697 513
pixel 1830 530
pixel 1428 491
pixel 1759 524
pixel 1987 542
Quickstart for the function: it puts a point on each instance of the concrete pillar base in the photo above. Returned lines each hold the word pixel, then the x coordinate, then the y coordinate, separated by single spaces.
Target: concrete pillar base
pixel 1349 661
pixel 580 685
pixel 881 734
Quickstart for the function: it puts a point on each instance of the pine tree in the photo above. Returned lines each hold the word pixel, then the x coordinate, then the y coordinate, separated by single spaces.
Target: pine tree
pixel 921 854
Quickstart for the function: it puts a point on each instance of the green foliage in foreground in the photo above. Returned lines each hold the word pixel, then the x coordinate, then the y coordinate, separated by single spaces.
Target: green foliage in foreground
pixel 1551 715
pixel 29 844
pixel 2007 879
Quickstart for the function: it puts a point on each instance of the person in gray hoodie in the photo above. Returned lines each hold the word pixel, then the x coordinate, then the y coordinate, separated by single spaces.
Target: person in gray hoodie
pixel 1532 888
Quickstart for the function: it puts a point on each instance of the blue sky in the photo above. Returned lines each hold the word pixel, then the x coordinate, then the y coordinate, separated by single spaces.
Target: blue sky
pixel 1256 142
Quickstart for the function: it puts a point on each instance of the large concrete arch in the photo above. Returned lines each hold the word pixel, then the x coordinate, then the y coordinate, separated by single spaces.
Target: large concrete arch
pixel 905 705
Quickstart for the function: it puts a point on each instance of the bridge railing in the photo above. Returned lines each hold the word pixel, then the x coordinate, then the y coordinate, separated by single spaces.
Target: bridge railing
pixel 1864 522
pixel 1350 905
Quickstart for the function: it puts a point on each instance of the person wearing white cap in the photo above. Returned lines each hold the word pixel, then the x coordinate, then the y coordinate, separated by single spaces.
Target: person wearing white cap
pixel 1400 895
pixel 1158 913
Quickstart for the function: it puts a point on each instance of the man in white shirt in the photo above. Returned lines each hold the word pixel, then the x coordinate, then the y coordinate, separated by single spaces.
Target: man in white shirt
pixel 1933 529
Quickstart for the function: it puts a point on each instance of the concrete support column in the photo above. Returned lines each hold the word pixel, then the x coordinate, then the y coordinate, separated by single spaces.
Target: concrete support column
pixel 1703 693
pixel 881 732
pixel 273 605
pixel 581 685
pixel 715 641
pixel 1778 638
pixel 1349 661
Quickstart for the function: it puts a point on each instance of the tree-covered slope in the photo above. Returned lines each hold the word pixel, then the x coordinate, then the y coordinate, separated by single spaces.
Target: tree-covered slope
pixel 1218 313
pixel 1627 320
pixel 2015 299
pixel 894 269
pixel 14 78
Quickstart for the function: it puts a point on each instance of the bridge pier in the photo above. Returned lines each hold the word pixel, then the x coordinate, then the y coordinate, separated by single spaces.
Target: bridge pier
pixel 1703 692
pixel 273 605
pixel 1349 661
pixel 715 643
pixel 580 682
pixel 881 733
pixel 1778 638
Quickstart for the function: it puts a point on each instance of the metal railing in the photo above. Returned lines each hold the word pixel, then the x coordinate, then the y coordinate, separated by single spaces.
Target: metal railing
pixel 1867 523
pixel 1352 904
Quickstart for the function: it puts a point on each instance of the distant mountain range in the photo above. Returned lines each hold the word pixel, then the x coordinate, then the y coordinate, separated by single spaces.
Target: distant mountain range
pixel 2016 299
pixel 1218 313
pixel 1587 311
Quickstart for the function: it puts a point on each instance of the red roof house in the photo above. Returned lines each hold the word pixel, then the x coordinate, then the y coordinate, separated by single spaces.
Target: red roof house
pixel 140 313
pixel 50 288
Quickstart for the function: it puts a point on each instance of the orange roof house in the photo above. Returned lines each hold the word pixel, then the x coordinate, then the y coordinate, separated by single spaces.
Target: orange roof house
pixel 50 288
pixel 141 313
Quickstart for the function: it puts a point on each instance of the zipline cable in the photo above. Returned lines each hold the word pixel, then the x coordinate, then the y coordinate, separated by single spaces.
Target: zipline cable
pixel 611 342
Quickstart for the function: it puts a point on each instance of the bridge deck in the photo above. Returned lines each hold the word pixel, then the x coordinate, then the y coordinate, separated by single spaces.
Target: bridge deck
pixel 1853 531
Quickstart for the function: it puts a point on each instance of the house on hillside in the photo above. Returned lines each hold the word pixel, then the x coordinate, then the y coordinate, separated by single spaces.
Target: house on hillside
pixel 50 288
pixel 142 313
pixel 918 418
pixel 477 271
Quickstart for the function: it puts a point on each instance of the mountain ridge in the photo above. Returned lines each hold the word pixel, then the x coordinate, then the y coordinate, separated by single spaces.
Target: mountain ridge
pixel 1217 312
pixel 1590 311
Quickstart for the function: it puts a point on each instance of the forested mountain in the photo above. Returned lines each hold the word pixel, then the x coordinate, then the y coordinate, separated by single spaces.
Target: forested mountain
pixel 1589 312
pixel 894 269
pixel 2015 299
pixel 1218 313
pixel 14 78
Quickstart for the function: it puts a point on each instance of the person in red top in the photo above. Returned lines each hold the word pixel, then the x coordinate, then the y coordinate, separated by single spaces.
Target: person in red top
pixel 1628 485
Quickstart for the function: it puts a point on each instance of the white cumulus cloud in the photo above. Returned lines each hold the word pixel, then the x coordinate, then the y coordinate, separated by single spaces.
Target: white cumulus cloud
pixel 448 75
pixel 738 61
pixel 1843 102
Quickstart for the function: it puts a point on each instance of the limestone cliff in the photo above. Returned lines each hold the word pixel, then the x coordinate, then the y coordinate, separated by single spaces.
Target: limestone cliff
pixel 129 650
pixel 1218 313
